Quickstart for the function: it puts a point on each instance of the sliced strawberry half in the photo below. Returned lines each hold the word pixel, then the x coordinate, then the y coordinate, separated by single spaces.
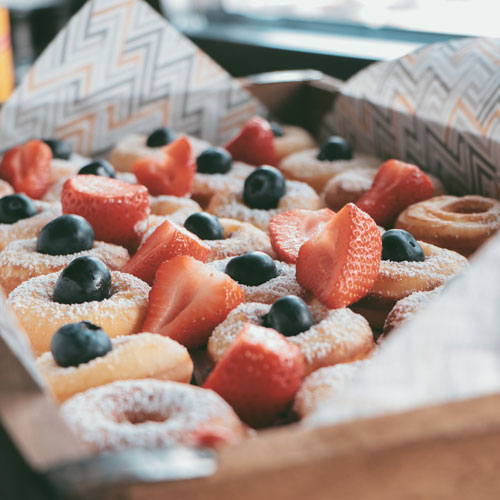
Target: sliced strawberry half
pixel 167 240
pixel 117 211
pixel 27 168
pixel 188 300
pixel 396 186
pixel 290 230
pixel 340 264
pixel 171 175
pixel 254 144
pixel 258 375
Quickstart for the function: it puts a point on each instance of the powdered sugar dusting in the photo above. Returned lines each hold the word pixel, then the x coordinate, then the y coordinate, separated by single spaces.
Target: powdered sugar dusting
pixel 143 414
pixel 208 184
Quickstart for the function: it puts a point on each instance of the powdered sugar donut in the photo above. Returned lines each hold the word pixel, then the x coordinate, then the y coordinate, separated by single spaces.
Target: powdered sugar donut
pixel 144 355
pixel 229 204
pixel 323 385
pixel 293 139
pixel 29 228
pixel 147 414
pixel 174 208
pixel 304 166
pixel 62 169
pixel 5 188
pixel 461 223
pixel 409 306
pixel 122 314
pixel 397 280
pixel 206 185
pixel 133 148
pixel 268 292
pixel 337 336
pixel 19 261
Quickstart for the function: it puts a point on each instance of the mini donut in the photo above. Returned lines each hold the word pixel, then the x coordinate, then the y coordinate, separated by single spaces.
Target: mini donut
pixel 206 185
pixel 146 414
pixel 122 314
pixel 29 228
pixel 133 148
pixel 350 185
pixel 239 238
pixel 19 261
pixel 337 336
pixel 173 208
pixel 304 166
pixel 229 204
pixel 5 188
pixel 270 291
pixel 461 224
pixel 397 280
pixel 293 139
pixel 145 355
pixel 323 385
pixel 62 169
pixel 409 306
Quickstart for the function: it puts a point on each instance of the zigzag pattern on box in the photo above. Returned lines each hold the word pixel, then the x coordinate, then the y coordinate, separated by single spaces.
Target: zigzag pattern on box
pixel 118 68
pixel 438 107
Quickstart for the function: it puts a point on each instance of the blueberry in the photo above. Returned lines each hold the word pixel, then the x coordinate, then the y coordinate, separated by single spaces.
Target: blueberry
pixel 14 207
pixel 276 128
pixel 84 280
pixel 98 167
pixel 399 245
pixel 252 269
pixel 65 235
pixel 264 188
pixel 160 137
pixel 214 161
pixel 289 315
pixel 60 149
pixel 335 148
pixel 205 226
pixel 78 343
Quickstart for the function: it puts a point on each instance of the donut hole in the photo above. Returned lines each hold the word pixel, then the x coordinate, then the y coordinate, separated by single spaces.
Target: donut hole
pixel 468 207
pixel 136 418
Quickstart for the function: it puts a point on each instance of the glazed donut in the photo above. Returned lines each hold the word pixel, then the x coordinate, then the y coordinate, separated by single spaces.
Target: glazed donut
pixel 133 148
pixel 304 166
pixel 461 224
pixel 121 314
pixel 19 261
pixel 5 188
pixel 406 308
pixel 145 355
pixel 206 185
pixel 146 414
pixel 293 139
pixel 323 385
pixel 338 335
pixel 29 228
pixel 350 185
pixel 239 238
pixel 397 280
pixel 270 291
pixel 230 204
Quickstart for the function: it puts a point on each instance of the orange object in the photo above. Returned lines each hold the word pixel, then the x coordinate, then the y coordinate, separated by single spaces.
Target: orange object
pixel 6 61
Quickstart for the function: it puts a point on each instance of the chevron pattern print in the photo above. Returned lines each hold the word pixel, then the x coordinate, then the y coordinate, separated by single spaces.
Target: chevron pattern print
pixel 438 107
pixel 118 68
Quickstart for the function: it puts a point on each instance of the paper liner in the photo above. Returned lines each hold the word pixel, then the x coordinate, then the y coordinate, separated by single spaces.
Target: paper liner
pixel 118 68
pixel 437 107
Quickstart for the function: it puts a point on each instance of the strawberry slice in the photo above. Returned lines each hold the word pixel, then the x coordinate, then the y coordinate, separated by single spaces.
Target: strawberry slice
pixel 290 230
pixel 27 168
pixel 259 375
pixel 396 186
pixel 189 299
pixel 254 144
pixel 171 175
pixel 167 240
pixel 340 264
pixel 116 210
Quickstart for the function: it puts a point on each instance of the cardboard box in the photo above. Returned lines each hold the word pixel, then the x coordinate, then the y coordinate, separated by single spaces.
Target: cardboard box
pixel 421 422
